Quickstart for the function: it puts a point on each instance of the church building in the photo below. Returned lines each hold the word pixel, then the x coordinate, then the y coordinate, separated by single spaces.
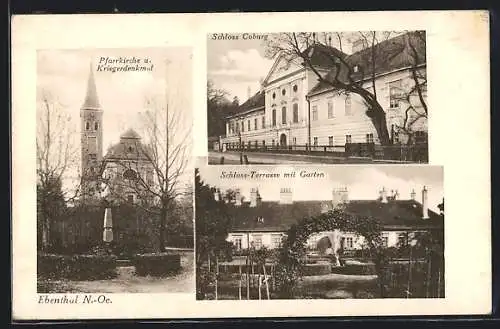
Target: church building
pixel 125 172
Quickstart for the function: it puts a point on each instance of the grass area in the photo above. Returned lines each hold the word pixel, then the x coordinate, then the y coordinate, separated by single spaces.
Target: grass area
pixel 128 282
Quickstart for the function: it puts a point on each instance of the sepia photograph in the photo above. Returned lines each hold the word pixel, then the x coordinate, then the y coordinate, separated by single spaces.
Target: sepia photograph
pixel 114 187
pixel 319 232
pixel 317 97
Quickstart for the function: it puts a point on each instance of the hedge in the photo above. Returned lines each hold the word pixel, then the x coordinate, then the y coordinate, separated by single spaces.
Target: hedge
pixel 76 267
pixel 316 269
pixel 355 269
pixel 158 264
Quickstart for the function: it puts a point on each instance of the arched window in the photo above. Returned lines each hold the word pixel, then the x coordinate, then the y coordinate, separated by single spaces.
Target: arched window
pixel 96 125
pixel 283 115
pixel 87 125
pixel 130 174
pixel 295 88
pixel 274 118
pixel 283 92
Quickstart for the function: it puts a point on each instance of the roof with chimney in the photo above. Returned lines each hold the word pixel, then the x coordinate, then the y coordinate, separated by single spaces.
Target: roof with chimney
pixel 91 101
pixel 402 51
pixel 272 216
pixel 256 102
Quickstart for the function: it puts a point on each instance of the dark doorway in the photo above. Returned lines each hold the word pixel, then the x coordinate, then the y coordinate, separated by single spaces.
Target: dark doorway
pixel 283 140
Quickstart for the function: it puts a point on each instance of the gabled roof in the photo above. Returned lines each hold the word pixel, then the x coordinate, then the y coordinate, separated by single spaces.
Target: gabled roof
pixel 256 102
pixel 391 54
pixel 399 214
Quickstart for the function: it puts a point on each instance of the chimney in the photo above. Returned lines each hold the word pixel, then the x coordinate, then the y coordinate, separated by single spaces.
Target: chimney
pixel 383 195
pixel 237 197
pixel 339 196
pixel 286 195
pixel 425 205
pixel 217 195
pixel 249 92
pixel 255 198
pixel 413 194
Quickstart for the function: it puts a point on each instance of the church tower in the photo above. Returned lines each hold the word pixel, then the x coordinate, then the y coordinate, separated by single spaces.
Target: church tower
pixel 91 137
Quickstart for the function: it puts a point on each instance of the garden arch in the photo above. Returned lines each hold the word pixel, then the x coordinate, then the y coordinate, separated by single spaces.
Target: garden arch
pixel 292 257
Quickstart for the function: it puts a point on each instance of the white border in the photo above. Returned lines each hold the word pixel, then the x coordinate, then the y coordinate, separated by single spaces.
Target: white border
pixel 458 73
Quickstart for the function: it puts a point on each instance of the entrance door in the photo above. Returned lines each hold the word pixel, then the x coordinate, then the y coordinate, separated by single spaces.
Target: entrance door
pixel 283 140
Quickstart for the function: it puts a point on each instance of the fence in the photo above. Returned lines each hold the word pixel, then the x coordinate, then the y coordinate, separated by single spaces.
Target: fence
pixel 396 152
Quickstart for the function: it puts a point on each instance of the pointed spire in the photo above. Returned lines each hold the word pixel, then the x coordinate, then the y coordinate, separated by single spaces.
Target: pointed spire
pixel 91 100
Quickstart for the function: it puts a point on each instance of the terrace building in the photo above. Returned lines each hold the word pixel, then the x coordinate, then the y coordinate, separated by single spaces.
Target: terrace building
pixel 259 223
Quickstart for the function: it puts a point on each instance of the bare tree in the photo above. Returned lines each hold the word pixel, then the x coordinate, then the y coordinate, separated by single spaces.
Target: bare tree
pixel 414 95
pixel 57 156
pixel 355 73
pixel 158 165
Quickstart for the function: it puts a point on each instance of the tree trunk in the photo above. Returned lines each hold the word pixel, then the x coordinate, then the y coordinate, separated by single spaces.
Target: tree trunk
pixel 377 116
pixel 161 234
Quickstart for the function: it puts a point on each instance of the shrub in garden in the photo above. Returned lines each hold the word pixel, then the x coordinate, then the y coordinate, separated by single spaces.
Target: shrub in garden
pixel 355 269
pixel 157 264
pixel 316 269
pixel 76 267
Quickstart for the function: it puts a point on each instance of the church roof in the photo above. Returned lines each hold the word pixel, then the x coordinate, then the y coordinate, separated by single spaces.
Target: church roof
pixel 91 101
pixel 130 133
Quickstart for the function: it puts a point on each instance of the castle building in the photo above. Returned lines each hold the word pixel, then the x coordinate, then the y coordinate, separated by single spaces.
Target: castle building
pixel 126 170
pixel 261 223
pixel 294 108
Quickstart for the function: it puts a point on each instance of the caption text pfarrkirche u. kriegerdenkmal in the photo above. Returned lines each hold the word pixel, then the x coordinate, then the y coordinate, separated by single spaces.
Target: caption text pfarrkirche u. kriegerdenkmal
pixel 124 64
pixel 259 174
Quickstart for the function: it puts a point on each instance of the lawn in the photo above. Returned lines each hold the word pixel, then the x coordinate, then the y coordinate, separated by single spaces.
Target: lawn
pixel 128 282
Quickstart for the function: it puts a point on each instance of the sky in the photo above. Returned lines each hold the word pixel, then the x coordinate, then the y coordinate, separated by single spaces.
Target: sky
pixel 63 74
pixel 236 65
pixel 362 182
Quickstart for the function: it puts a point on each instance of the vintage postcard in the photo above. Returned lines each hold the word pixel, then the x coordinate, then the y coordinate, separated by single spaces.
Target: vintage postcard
pixel 294 167
pixel 317 97
pixel 365 232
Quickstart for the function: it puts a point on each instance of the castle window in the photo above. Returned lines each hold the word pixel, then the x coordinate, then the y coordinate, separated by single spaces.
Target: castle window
pixel 274 95
pixel 255 124
pixel 348 105
pixel 348 139
pixel 96 125
pixel 315 113
pixel 369 138
pixel 130 198
pixel 87 125
pixel 295 88
pixel 283 115
pixel 274 118
pixel 283 92
pixel 263 122
pixel 330 140
pixel 295 113
pixel 330 109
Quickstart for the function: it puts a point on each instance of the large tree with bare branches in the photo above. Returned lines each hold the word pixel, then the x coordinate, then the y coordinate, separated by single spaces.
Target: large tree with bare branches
pixel 57 156
pixel 357 72
pixel 158 165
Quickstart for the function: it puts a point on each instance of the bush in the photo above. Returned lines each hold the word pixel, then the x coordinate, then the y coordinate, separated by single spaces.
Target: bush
pixel 159 264
pixel 355 269
pixel 316 269
pixel 76 267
